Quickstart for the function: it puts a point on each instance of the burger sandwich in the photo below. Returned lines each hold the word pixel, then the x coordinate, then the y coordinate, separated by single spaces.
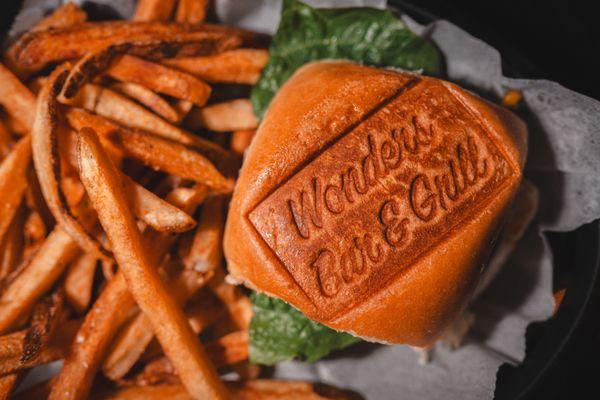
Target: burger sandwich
pixel 373 203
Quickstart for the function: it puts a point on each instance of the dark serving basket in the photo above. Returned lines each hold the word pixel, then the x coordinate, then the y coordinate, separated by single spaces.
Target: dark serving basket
pixel 555 346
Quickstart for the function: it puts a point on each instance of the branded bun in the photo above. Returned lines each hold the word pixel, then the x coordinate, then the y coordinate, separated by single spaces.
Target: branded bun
pixel 370 199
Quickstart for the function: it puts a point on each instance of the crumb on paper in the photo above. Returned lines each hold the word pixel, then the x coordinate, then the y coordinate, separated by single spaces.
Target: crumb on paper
pixel 512 98
pixel 559 296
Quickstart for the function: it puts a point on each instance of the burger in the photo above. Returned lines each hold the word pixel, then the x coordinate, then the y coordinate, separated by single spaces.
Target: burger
pixel 372 203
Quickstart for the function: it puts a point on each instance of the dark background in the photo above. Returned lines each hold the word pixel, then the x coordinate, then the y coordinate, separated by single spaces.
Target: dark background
pixel 548 39
pixel 8 9
pixel 552 39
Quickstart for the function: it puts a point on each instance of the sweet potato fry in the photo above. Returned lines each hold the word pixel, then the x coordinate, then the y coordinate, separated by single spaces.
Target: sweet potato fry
pixel 188 199
pixel 109 104
pixel 136 118
pixel 128 347
pixel 46 315
pixel 148 98
pixel 67 148
pixel 8 383
pixel 228 116
pixel 100 323
pixel 72 188
pixel 101 180
pixel 174 158
pixel 47 163
pixel 160 78
pixel 290 390
pixel 240 140
pixel 239 310
pixel 241 66
pixel 34 229
pixel 259 389
pixel 6 140
pixel 13 344
pixel 11 247
pixel 184 198
pixel 183 107
pixel 79 282
pixel 238 305
pixel 159 392
pixel 36 84
pixel 155 40
pixel 37 204
pixel 135 337
pixel 206 252
pixel 227 350
pixel 242 390
pixel 148 207
pixel 16 99
pixel 159 371
pixel 153 210
pixel 153 10
pixel 68 14
pixel 49 354
pixel 13 182
pixel 191 11
pixel 106 128
pixel 149 47
pixel 40 273
pixel 55 349
pixel 118 108
pixel 16 127
pixel 37 278
pixel 202 311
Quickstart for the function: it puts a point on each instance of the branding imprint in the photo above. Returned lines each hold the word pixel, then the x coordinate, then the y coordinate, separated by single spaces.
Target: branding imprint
pixel 381 196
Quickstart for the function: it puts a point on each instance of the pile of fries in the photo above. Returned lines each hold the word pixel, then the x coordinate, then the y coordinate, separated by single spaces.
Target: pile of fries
pixel 112 210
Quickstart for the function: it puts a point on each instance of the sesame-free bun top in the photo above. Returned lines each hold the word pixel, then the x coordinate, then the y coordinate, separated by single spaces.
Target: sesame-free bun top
pixel 370 199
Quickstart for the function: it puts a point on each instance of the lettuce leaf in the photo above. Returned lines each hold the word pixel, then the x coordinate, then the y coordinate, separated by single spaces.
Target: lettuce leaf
pixel 365 35
pixel 280 332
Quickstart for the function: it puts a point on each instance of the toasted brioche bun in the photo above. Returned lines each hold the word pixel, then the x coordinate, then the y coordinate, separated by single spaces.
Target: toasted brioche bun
pixel 370 199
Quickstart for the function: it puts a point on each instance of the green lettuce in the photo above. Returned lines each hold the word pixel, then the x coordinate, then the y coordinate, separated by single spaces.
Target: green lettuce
pixel 280 332
pixel 365 35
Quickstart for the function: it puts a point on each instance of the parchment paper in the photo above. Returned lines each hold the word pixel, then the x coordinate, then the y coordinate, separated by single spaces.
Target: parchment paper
pixel 564 163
